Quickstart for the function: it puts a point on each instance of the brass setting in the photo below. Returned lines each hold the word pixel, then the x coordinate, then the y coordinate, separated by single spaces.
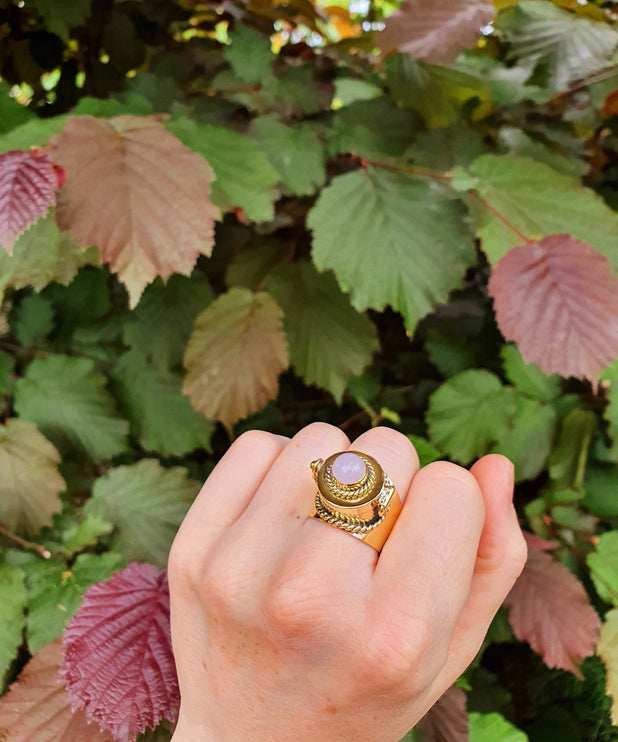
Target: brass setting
pixel 366 509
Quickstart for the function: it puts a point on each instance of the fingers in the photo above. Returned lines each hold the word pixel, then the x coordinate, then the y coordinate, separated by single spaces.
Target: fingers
pixel 247 557
pixel 224 497
pixel 322 546
pixel 423 576
pixel 323 580
pixel 501 556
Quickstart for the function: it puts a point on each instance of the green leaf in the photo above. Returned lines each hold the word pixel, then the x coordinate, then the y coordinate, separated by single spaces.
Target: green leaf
pixel 450 355
pixel 67 400
pixel 519 144
pixel 528 377
pixel 611 413
pixel 373 129
pixel 349 90
pixel 424 245
pixel 161 417
pixel 296 153
pixel 161 323
pixel 12 114
pixel 12 619
pixel 608 650
pixel 30 483
pixel 84 300
pixel 55 593
pixel 101 341
pixel 147 504
pixel 60 18
pixel 555 47
pixel 299 90
pixel 539 202
pixel 600 488
pixel 603 563
pixel 34 133
pixel 249 54
pixel 493 728
pixel 425 451
pixel 132 103
pixel 567 461
pixel 161 92
pixel 328 340
pixel 442 95
pixel 33 320
pixel 451 148
pixel 7 364
pixel 85 533
pixel 249 268
pixel 528 440
pixel 244 177
pixel 43 254
pixel 468 413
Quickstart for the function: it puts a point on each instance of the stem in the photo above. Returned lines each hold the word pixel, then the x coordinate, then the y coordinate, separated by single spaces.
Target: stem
pixel 25 544
pixel 501 217
pixel 446 178
pixel 413 169
pixel 597 77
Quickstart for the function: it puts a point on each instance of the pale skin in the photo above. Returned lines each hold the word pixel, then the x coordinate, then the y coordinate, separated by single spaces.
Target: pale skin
pixel 285 628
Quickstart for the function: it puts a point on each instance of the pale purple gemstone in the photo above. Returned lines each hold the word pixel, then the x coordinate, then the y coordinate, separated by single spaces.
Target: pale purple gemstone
pixel 348 468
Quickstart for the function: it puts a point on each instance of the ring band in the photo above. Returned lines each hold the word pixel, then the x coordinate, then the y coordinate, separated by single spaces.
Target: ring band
pixel 356 496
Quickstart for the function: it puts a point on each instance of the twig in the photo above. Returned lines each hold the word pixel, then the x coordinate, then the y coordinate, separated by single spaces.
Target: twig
pixel 412 169
pixel 501 217
pixel 26 544
pixel 446 178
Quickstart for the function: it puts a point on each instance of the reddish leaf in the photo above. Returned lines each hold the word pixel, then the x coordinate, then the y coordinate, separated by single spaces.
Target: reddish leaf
pixel 549 608
pixel 133 190
pixel 435 31
pixel 558 300
pixel 118 660
pixel 28 183
pixel 446 720
pixel 37 707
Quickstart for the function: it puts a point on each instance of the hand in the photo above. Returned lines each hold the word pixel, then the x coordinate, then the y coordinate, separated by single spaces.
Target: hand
pixel 285 628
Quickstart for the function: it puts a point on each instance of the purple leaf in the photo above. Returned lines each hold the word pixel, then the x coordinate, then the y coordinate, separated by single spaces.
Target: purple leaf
pixel 28 183
pixel 118 661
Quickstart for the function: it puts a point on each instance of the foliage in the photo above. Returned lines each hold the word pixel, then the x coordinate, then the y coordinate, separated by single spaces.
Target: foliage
pixel 223 216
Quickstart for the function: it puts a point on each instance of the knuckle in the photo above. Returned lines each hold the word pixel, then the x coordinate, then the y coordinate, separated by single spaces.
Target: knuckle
pixel 320 432
pixel 254 439
pixel 462 484
pixel 391 440
pixel 518 554
pixel 223 588
pixel 291 609
pixel 394 658
pixel 180 564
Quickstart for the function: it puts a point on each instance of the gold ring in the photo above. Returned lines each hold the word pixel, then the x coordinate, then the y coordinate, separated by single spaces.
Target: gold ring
pixel 356 496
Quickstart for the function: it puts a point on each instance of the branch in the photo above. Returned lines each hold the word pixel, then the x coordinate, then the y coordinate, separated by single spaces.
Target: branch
pixel 40 550
pixel 501 217
pixel 446 178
